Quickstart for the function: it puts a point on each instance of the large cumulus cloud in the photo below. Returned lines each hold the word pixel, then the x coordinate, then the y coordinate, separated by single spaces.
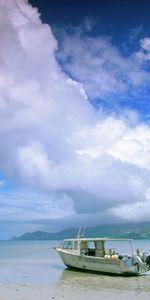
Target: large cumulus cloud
pixel 63 157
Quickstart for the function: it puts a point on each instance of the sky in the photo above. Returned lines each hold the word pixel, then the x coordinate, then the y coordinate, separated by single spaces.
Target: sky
pixel 74 114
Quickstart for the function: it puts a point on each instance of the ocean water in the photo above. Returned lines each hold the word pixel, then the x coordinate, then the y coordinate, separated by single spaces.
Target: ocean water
pixel 36 262
pixel 29 261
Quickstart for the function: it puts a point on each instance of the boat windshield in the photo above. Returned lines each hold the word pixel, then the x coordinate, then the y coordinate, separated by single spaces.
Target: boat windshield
pixel 68 245
pixel 120 247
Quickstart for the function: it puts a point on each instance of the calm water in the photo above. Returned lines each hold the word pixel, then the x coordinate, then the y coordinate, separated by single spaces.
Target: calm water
pixel 36 262
pixel 29 261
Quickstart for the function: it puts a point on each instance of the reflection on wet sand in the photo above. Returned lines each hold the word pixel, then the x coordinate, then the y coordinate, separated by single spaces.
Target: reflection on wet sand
pixel 92 281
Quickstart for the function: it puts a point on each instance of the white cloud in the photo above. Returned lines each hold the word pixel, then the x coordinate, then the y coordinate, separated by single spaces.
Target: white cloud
pixel 117 157
pixel 143 54
pixel 78 161
pixel 25 205
pixel 33 163
pixel 101 67
pixel 134 211
pixel 88 60
pixel 134 147
pixel 145 44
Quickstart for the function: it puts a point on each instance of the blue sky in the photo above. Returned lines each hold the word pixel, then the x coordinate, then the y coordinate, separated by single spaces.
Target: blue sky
pixel 124 23
pixel 75 114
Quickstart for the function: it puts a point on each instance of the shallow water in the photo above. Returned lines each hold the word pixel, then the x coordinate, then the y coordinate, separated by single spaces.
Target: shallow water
pixel 30 263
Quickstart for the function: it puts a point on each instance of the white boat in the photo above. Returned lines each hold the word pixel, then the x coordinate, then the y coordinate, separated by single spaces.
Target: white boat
pixel 93 254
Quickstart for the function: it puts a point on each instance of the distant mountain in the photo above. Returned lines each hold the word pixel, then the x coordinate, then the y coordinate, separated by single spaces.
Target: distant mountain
pixel 128 230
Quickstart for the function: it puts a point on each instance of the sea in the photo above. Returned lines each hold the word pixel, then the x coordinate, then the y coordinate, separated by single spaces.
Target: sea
pixel 37 262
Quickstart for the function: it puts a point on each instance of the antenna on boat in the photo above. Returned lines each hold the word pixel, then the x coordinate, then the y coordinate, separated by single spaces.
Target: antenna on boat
pixel 78 234
pixel 84 230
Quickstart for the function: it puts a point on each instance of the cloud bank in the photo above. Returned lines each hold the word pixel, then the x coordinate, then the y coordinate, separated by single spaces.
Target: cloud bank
pixel 65 158
pixel 108 74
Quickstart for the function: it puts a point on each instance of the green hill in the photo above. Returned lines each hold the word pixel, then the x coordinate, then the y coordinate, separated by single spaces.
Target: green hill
pixel 127 230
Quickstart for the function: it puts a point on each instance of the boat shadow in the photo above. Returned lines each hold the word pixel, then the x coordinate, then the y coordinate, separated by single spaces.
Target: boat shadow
pixel 100 281
pixel 98 273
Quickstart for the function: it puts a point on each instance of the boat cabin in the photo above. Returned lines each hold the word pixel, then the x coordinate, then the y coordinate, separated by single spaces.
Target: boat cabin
pixel 90 247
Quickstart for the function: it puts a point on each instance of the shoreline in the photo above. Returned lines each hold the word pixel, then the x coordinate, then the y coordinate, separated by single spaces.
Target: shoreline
pixel 78 285
pixel 12 291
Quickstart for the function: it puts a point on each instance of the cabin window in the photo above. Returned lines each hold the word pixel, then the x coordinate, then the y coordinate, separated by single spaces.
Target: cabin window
pixel 99 245
pixel 68 245
pixel 91 248
pixel 100 251
pixel 75 245
pixel 91 245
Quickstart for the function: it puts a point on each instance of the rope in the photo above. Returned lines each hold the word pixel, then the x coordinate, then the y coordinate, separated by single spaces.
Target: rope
pixel 27 253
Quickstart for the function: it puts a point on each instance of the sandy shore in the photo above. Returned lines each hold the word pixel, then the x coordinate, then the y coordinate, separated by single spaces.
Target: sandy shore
pixel 79 286
pixel 58 292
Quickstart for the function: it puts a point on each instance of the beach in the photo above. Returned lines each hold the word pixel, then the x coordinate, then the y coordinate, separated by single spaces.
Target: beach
pixel 38 273
pixel 89 288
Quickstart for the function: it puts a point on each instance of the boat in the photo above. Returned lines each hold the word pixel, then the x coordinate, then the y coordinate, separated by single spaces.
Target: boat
pixel 94 254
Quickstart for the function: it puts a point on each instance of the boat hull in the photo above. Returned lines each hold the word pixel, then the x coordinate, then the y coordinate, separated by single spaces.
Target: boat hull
pixel 97 264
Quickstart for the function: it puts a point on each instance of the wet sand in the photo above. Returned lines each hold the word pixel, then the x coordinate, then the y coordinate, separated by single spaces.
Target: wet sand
pixel 79 286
